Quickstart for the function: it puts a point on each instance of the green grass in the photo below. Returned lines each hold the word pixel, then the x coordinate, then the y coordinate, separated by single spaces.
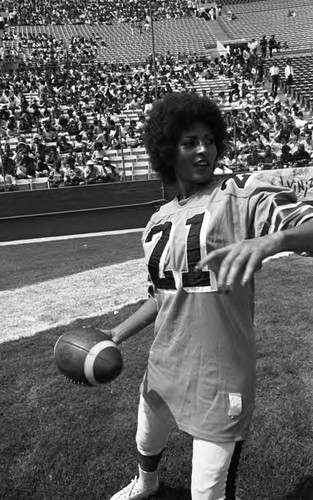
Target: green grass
pixel 62 441
pixel 37 262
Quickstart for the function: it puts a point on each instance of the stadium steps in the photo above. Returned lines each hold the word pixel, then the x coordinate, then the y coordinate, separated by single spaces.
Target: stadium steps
pixel 218 30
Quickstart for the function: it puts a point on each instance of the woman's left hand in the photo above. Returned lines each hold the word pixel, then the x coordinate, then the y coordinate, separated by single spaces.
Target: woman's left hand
pixel 240 260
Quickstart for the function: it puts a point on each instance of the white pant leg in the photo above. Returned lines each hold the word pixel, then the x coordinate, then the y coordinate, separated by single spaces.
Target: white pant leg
pixel 210 463
pixel 152 432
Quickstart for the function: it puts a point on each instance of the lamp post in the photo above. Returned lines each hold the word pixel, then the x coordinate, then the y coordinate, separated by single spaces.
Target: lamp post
pixel 153 52
pixel 2 167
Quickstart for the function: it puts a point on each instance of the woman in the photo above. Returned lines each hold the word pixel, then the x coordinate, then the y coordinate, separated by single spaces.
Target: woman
pixel 202 250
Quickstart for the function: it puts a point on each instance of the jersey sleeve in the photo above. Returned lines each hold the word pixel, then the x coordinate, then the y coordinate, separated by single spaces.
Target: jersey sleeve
pixel 274 208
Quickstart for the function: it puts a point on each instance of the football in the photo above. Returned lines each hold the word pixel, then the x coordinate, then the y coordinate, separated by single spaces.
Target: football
pixel 88 356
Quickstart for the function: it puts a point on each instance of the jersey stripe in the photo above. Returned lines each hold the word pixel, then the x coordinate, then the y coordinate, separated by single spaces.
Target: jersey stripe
pixel 279 200
pixel 281 214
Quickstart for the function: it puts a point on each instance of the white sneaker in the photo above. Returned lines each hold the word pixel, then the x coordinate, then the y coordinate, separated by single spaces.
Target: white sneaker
pixel 133 492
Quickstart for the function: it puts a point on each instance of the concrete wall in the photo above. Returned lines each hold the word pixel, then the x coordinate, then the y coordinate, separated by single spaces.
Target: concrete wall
pixel 82 209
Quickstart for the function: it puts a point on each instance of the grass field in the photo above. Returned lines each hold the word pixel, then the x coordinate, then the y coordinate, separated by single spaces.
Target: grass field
pixel 62 441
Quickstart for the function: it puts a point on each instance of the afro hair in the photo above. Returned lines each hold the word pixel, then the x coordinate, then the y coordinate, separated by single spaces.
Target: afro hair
pixel 169 118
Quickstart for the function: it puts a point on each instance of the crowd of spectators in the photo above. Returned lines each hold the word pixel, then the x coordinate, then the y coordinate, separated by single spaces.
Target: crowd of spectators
pixel 70 115
pixel 266 133
pixel 32 12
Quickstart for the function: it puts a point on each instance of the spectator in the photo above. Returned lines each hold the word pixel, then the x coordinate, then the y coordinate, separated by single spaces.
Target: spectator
pixel 56 175
pixel 42 169
pixel 25 166
pixel 79 146
pixel 51 156
pixel 269 158
pixel 271 45
pixel 70 160
pixel 285 157
pixel 98 153
pixel 73 176
pixel 49 133
pixel 263 46
pixel 7 182
pixel 63 145
pixel 295 139
pixel 141 124
pixel 111 171
pixel 25 125
pixel 274 72
pixel 92 173
pixel 299 120
pixel 308 142
pixel 254 158
pixel 8 162
pixel 123 129
pixel 301 155
pixel 289 73
pixel 132 140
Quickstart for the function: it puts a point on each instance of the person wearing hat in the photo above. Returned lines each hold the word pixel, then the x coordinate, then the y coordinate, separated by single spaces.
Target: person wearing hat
pixel 92 174
pixel 110 171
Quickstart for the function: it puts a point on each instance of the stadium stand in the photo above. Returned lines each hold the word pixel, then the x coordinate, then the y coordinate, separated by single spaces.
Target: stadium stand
pixel 88 77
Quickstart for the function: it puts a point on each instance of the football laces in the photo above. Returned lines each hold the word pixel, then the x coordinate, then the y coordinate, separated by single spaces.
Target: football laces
pixel 74 381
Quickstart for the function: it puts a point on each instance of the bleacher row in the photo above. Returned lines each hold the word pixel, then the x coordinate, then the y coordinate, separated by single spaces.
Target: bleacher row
pixel 239 6
pixel 188 35
pixel 124 44
pixel 134 170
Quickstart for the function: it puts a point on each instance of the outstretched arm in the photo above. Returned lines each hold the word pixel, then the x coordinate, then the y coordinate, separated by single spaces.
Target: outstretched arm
pixel 245 257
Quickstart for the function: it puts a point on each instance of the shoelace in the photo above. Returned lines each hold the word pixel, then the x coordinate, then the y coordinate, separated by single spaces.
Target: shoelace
pixel 131 486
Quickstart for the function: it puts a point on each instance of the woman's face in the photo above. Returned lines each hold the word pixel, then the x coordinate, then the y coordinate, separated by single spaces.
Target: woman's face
pixel 195 160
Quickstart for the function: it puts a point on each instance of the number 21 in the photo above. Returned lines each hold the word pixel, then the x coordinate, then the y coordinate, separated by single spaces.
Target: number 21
pixel 164 279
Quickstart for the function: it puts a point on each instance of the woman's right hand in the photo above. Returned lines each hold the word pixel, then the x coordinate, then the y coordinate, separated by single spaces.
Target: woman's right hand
pixel 107 333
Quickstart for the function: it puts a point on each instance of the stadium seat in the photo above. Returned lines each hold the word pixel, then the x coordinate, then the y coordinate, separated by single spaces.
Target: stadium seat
pixel 140 174
pixel 23 184
pixel 40 183
pixel 129 172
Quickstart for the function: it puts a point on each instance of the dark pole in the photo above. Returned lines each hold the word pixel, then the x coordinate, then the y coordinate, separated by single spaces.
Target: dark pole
pixel 2 167
pixel 153 53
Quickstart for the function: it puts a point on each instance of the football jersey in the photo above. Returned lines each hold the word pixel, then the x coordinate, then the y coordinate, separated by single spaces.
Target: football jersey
pixel 201 367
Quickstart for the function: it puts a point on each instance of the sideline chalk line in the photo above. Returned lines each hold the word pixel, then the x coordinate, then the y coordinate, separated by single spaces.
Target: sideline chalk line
pixel 69 237
pixel 102 233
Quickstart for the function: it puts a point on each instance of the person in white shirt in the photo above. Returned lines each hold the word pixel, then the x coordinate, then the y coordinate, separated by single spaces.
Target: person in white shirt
pixel 274 72
pixel 7 182
pixel 289 73
pixel 308 142
pixel 299 120
pixel 253 45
